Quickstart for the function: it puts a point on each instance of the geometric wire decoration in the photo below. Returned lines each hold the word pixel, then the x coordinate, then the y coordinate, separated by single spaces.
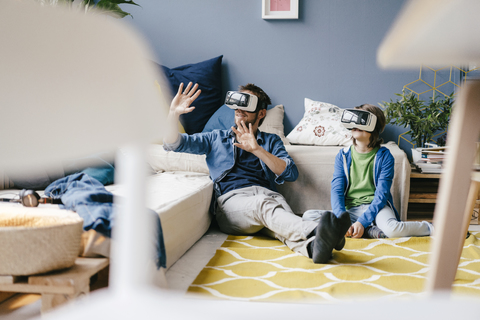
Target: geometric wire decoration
pixel 437 82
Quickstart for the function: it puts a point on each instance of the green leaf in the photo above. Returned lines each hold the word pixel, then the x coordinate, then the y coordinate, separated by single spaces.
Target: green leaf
pixel 112 9
pixel 123 2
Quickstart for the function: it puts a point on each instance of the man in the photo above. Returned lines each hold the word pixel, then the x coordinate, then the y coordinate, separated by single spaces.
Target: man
pixel 245 166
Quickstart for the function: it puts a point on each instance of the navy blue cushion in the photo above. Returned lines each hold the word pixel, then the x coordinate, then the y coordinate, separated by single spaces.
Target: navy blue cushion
pixel 208 75
pixel 223 118
pixel 103 174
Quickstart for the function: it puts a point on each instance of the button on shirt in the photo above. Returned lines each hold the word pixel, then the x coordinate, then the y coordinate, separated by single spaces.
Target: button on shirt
pixel 246 173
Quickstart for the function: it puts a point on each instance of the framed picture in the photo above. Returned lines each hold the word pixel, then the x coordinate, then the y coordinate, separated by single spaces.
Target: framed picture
pixel 280 9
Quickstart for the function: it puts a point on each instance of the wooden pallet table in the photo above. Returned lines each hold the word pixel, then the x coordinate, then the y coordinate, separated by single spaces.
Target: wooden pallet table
pixel 57 287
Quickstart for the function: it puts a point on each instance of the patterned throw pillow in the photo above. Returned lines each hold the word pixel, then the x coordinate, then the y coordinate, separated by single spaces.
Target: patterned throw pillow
pixel 320 126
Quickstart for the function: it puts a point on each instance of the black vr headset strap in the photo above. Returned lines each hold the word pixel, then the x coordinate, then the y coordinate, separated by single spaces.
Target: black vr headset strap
pixel 260 105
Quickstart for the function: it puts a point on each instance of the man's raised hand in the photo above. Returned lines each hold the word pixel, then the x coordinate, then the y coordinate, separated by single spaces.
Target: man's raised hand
pixel 245 137
pixel 183 99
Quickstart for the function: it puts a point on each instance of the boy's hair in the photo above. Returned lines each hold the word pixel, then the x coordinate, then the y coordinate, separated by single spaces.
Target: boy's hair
pixel 263 98
pixel 375 139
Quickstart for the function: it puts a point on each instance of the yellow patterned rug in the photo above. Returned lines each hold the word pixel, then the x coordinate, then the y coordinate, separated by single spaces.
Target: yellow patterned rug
pixel 256 268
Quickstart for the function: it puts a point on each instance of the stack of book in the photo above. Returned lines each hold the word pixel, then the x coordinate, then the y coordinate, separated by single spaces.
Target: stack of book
pixel 429 160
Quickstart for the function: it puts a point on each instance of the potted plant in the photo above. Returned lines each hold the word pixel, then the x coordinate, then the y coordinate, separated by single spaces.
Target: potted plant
pixel 425 120
pixel 108 7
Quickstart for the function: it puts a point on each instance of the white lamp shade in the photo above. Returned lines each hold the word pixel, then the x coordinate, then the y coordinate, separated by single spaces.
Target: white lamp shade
pixel 433 32
pixel 62 92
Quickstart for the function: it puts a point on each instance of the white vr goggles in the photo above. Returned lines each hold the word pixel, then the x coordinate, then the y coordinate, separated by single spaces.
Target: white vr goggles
pixel 241 100
pixel 360 119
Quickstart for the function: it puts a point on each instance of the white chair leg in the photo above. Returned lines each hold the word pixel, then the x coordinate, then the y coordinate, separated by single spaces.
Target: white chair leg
pixel 449 213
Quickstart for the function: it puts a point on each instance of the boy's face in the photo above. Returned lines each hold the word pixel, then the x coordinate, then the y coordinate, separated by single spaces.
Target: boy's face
pixel 361 135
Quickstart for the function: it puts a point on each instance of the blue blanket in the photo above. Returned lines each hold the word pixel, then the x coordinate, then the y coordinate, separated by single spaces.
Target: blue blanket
pixel 88 197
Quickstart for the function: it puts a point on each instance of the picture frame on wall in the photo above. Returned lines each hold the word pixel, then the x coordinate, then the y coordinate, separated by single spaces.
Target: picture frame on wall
pixel 280 9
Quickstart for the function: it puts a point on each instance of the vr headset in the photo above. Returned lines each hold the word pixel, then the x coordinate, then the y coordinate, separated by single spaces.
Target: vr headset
pixel 360 119
pixel 243 101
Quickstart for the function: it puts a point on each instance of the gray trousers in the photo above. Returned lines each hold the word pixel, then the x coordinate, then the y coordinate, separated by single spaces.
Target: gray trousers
pixel 253 209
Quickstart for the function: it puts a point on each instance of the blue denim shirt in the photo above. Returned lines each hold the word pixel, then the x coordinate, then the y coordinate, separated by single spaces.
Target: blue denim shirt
pixel 383 168
pixel 220 153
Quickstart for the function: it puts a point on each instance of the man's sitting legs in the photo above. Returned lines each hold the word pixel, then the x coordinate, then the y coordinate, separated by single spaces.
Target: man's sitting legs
pixel 249 210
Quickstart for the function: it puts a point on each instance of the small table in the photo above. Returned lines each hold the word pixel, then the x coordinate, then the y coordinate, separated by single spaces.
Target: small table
pixel 423 195
pixel 424 191
pixel 57 287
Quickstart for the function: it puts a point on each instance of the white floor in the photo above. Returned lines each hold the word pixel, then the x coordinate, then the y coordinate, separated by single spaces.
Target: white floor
pixel 185 270
pixel 179 276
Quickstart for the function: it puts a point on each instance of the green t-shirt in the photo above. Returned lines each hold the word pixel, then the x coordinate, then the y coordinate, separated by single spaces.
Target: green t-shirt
pixel 362 186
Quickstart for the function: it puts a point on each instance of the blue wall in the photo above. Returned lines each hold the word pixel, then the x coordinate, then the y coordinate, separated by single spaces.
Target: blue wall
pixel 328 54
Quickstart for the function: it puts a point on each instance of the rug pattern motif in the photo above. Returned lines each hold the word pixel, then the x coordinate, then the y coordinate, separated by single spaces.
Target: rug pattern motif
pixel 256 268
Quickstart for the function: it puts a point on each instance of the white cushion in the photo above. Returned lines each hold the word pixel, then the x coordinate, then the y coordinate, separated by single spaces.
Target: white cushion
pixel 320 126
pixel 161 160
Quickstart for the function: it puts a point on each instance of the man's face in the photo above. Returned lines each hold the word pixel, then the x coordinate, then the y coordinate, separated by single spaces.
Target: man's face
pixel 248 117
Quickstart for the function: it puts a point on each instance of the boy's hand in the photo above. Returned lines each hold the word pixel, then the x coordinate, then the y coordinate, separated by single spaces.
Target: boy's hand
pixel 355 231
pixel 183 99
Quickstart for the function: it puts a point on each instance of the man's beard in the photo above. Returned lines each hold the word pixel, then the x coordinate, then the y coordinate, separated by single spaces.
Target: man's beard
pixel 247 123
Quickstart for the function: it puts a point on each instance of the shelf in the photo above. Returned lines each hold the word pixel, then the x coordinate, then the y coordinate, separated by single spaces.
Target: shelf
pixel 416 174
pixel 427 195
pixel 425 218
pixel 423 195
pixel 434 200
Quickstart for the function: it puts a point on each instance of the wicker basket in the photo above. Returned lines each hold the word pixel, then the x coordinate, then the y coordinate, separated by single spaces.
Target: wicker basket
pixel 37 240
